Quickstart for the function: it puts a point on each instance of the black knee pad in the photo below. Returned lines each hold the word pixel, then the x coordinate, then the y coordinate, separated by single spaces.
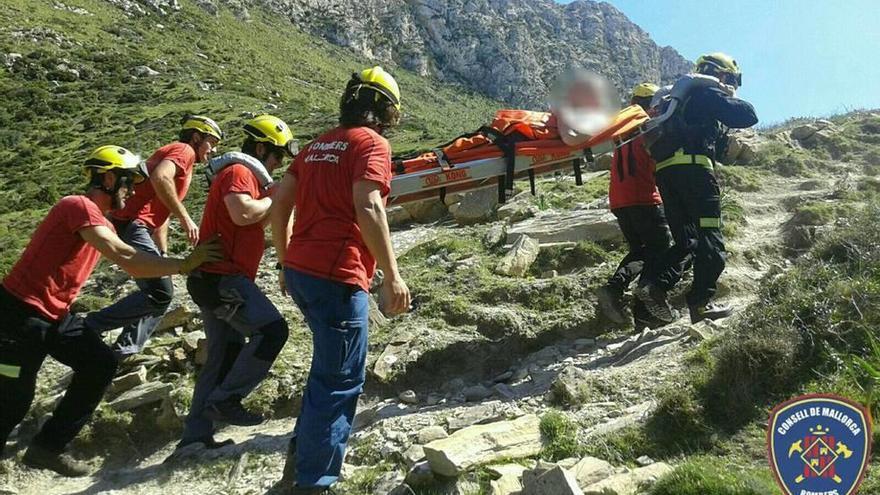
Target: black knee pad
pixel 274 336
pixel 160 292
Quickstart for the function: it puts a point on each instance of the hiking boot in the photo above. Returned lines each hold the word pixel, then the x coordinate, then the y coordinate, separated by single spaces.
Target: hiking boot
pixel 711 311
pixel 190 447
pixel 611 304
pixel 63 464
pixel 654 299
pixel 648 320
pixel 207 441
pixel 230 411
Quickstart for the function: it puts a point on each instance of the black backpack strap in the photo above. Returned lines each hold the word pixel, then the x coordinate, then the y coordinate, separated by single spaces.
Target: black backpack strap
pixel 633 166
pixel 578 172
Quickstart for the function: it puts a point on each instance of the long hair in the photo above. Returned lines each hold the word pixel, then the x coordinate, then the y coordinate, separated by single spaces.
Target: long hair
pixel 361 106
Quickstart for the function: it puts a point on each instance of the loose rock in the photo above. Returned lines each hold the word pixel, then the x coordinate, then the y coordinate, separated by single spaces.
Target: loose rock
pixel 520 257
pixel 408 397
pixel 630 483
pixel 128 381
pixel 431 433
pixel 582 225
pixel 557 481
pixel 141 395
pixel 484 443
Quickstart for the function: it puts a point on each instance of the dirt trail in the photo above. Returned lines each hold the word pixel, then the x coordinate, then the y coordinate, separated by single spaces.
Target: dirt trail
pixel 625 374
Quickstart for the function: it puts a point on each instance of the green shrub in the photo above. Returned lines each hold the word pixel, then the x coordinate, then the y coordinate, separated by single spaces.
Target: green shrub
pixel 714 476
pixel 560 436
pixel 790 165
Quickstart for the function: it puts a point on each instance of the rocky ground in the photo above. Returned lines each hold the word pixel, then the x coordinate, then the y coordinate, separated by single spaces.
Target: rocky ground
pixel 455 401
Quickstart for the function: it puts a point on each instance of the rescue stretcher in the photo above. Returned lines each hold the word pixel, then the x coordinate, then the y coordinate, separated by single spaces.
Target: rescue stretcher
pixel 489 166
pixel 438 173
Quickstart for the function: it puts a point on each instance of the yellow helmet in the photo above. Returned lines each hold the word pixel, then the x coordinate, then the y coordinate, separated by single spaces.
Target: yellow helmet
pixel 202 124
pixel 380 81
pixel 272 130
pixel 719 62
pixel 645 90
pixel 116 158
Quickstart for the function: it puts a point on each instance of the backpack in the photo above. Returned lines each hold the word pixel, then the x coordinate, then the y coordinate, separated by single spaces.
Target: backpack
pixel 670 132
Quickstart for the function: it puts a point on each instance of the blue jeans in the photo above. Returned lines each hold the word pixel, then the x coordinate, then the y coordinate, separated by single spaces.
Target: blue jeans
pixel 245 333
pixel 141 311
pixel 338 316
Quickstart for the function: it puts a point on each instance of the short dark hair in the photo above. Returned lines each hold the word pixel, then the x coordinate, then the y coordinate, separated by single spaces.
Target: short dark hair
pixel 249 147
pixel 361 106
pixel 186 135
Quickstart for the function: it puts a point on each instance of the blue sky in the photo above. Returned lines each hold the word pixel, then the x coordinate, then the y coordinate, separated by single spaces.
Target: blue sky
pixel 799 58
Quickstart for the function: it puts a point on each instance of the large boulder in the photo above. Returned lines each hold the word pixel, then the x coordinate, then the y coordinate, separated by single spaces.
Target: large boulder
pixel 743 147
pixel 575 226
pixel 589 470
pixel 520 257
pixel 803 132
pixel 427 211
pixel 571 387
pixel 483 444
pixel 475 207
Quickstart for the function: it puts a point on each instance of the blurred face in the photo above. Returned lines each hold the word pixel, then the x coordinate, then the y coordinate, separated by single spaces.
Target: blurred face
pixel 274 158
pixel 205 148
pixel 730 80
pixel 123 184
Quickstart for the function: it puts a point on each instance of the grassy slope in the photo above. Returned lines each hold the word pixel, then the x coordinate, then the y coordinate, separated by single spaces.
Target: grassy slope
pixel 813 329
pixel 47 127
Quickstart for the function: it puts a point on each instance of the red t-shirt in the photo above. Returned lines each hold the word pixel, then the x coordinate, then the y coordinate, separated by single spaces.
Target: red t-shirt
pixel 327 241
pixel 632 177
pixel 145 206
pixel 57 261
pixel 243 246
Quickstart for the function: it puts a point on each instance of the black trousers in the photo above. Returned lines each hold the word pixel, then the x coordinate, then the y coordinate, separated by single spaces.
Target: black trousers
pixel 26 338
pixel 692 200
pixel 647 234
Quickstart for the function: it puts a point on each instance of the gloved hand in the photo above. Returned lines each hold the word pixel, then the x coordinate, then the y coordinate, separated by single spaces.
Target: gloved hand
pixel 206 252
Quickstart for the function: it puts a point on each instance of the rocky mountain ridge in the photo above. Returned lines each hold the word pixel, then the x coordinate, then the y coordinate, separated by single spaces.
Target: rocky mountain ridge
pixel 510 50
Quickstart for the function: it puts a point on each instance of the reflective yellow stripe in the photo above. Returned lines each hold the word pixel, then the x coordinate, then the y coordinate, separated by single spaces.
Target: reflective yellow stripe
pixel 680 158
pixel 710 223
pixel 9 370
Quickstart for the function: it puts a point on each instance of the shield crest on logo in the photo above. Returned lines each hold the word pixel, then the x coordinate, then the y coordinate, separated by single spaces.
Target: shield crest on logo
pixel 819 444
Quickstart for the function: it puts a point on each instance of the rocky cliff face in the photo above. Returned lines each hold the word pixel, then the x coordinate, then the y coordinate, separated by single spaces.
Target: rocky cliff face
pixel 508 49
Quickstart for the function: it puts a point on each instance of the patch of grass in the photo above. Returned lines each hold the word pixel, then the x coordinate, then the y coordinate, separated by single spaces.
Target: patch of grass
pixel 621 447
pixel 739 178
pixel 565 259
pixel 790 165
pixel 363 482
pixel 562 193
pixel 714 476
pixel 733 215
pixel 560 436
